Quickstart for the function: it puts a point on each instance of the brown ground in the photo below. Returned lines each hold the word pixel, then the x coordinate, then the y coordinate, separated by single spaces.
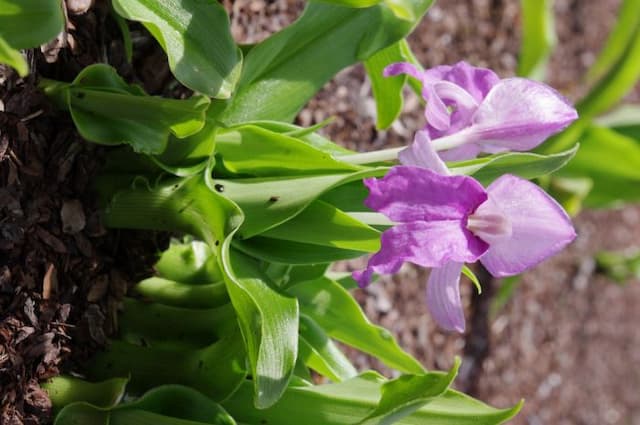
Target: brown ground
pixel 567 341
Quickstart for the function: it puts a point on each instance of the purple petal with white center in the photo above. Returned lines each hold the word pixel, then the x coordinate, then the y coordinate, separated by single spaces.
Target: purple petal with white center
pixel 443 296
pixel 420 153
pixel 426 244
pixel 519 114
pixel 540 227
pixel 408 194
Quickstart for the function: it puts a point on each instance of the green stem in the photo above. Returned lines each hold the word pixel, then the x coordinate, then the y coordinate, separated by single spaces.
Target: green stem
pixel 183 294
pixel 63 390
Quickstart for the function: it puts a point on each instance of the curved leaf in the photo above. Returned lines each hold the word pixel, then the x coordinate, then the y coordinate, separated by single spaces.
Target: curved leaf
pixel 30 23
pixel 197 38
pixel 107 110
pixel 340 316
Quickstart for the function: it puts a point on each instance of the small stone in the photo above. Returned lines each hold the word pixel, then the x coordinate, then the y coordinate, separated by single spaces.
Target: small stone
pixel 72 216
pixel 78 7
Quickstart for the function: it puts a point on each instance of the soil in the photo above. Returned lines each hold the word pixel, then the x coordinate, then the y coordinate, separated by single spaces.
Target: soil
pixel 566 340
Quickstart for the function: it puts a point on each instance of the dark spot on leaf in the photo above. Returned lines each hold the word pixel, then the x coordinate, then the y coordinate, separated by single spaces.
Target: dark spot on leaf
pixel 217 243
pixel 274 199
pixel 79 95
pixel 109 365
pixel 219 188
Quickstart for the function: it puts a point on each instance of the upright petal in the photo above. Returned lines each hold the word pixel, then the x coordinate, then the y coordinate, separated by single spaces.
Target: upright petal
pixel 410 194
pixel 420 153
pixel 539 227
pixel 475 80
pixel 519 114
pixel 443 296
pixel 426 244
pixel 403 68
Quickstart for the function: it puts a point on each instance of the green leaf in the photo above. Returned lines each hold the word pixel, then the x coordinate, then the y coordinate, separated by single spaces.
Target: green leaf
pixel 158 325
pixel 268 320
pixel 269 323
pixel 63 390
pixel 190 155
pixel 166 405
pixel 189 261
pixel 183 294
pixel 624 120
pixel 284 71
pixel 338 229
pixel 406 394
pixel 612 162
pixel 108 111
pixel 292 253
pixel 269 202
pixel 216 370
pixel 387 91
pixel 619 79
pixel 320 353
pixel 13 58
pixel 348 402
pixel 524 164
pixel 335 310
pixel 620 37
pixel 619 266
pixel 29 23
pixel 538 38
pixel 196 36
pixel 272 154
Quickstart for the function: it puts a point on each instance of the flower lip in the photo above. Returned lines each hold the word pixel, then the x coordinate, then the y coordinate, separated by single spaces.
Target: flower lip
pixel 490 227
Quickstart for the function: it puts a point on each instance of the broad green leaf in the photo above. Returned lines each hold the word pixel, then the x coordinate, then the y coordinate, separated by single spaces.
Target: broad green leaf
pixel 387 91
pixel 348 402
pixel 63 390
pixel 108 111
pixel 524 164
pixel 13 58
pixel 352 3
pixel 166 405
pixel 348 197
pixel 269 323
pixel 161 325
pixel 612 162
pixel 216 370
pixel 272 154
pixel 538 38
pixel 619 79
pixel 404 395
pixel 284 71
pixel 268 202
pixel 626 25
pixel 189 261
pixel 337 229
pixel 335 310
pixel 268 320
pixel 196 36
pixel 29 23
pixel 181 294
pixel 293 253
pixel 321 354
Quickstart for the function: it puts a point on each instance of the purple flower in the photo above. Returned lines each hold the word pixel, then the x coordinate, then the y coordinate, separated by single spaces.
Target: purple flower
pixel 444 221
pixel 470 110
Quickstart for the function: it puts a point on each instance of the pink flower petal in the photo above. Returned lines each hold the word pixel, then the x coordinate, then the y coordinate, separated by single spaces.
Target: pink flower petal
pixel 410 193
pixel 540 227
pixel 443 296
pixel 426 244
pixel 420 153
pixel 519 114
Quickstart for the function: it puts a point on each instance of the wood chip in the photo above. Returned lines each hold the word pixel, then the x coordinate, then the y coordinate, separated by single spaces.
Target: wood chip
pixel 72 216
pixel 49 282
